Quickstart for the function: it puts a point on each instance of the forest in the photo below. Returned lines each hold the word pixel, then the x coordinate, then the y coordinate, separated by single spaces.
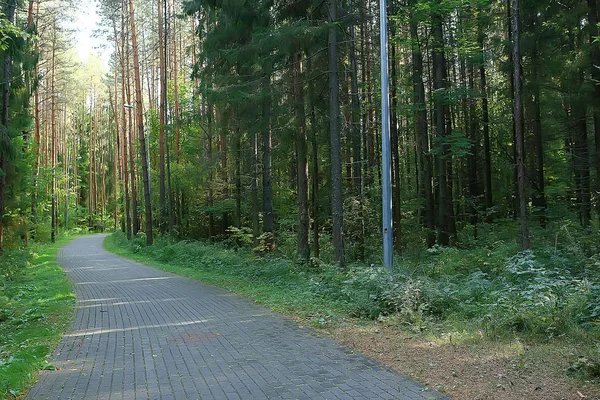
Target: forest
pixel 256 126
pixel 225 119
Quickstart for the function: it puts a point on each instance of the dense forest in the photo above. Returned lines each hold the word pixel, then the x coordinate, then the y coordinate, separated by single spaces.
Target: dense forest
pixel 237 120
pixel 242 140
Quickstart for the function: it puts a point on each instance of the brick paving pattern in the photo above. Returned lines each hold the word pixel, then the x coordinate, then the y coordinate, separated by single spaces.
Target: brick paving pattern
pixel 140 333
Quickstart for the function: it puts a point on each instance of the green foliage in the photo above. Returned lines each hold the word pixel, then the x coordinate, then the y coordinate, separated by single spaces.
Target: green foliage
pixel 238 237
pixel 13 263
pixel 542 293
pixel 35 307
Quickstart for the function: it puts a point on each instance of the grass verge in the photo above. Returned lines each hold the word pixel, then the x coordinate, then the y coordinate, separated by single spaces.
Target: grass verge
pixel 36 307
pixel 272 282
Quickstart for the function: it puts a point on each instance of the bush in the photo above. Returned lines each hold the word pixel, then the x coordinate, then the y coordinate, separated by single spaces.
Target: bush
pixel 13 262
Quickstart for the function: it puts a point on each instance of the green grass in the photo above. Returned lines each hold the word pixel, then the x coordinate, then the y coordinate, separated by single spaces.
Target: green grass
pixel 36 307
pixel 273 281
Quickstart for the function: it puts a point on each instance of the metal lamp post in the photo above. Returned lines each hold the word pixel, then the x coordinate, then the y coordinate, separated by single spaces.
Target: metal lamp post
pixel 386 178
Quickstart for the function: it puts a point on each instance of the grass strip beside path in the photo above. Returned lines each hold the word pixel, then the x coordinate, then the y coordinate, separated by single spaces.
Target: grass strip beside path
pixel 272 282
pixel 36 308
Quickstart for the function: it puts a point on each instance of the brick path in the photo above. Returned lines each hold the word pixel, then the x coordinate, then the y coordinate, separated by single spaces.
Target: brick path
pixel 140 333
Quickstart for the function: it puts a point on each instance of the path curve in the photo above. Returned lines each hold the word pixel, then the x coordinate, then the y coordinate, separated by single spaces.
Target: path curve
pixel 140 333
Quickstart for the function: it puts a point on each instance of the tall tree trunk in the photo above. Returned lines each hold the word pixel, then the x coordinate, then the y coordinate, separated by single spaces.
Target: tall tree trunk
pixel 140 126
pixel 224 172
pixel 421 127
pixel 580 154
pixel 485 120
pixel 337 205
pixel 357 169
pixel 162 44
pixel 115 149
pixel 440 107
pixel 37 146
pixel 254 190
pixel 211 176
pixel 238 178
pixel 176 87
pixel 518 124
pixel 53 130
pixel 132 167
pixel 395 143
pixel 474 156
pixel 315 163
pixel 539 199
pixel 124 130
pixel 301 156
pixel 268 216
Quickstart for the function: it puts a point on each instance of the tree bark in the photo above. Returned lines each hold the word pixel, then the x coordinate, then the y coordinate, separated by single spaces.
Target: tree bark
pixel 357 169
pixel 254 191
pixel 421 127
pixel 485 121
pixel 53 133
pixel 518 124
pixel 337 205
pixel 140 126
pixel 539 199
pixel 268 216
pixel 440 108
pixel 395 144
pixel 162 45
pixel 315 164
pixel 302 160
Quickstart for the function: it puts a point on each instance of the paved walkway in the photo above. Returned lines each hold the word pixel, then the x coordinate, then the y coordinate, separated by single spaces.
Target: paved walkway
pixel 140 333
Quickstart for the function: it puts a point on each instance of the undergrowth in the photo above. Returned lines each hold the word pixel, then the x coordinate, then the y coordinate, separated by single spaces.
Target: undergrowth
pixel 551 291
pixel 36 303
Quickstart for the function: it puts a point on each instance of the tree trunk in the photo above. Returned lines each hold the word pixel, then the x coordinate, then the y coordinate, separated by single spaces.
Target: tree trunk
pixel 395 144
pixel 518 124
pixel 53 133
pixel 337 205
pixel 268 216
pixel 539 199
pixel 124 130
pixel 238 179
pixel 254 190
pixel 422 142
pixel 301 156
pixel 440 108
pixel 315 163
pixel 132 167
pixel 140 126
pixel 357 169
pixel 37 146
pixel 176 88
pixel 224 172
pixel 211 176
pixel 162 45
pixel 485 120
pixel 474 156
pixel 115 151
